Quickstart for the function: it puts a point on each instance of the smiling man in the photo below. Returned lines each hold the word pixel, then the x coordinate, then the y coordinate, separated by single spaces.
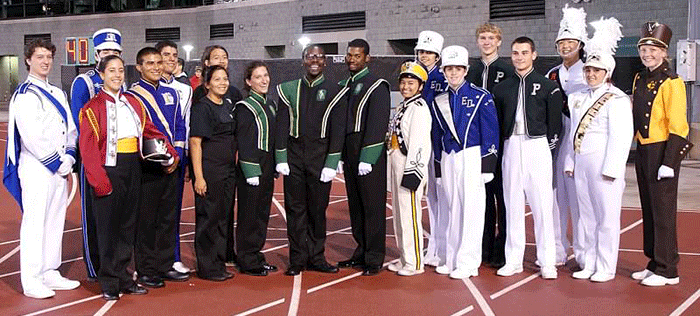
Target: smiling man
pixel 160 194
pixel 311 118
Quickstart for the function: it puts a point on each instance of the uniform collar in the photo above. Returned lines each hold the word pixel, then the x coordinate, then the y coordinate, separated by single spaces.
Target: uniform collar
pixel 360 74
pixel 663 68
pixel 260 98
pixel 166 81
pixel 315 82
pixel 412 99
pixel 149 86
pixel 35 80
pixel 110 96
pixel 458 88
pixel 489 62
pixel 526 74
pixel 600 91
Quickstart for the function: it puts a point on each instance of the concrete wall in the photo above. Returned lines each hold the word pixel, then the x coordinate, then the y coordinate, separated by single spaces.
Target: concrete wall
pixel 278 22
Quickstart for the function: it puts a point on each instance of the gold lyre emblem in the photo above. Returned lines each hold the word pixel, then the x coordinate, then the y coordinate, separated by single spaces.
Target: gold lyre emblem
pixel 651 85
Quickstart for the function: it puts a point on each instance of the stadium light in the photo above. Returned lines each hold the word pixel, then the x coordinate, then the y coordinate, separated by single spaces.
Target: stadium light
pixel 188 49
pixel 304 41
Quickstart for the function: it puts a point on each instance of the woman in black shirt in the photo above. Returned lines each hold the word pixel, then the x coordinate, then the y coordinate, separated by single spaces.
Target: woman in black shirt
pixel 213 152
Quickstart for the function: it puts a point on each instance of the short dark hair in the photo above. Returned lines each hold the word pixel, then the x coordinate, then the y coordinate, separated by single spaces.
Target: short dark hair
pixel 38 43
pixel 249 71
pixel 524 40
pixel 358 42
pixel 181 62
pixel 145 52
pixel 309 47
pixel 207 53
pixel 104 61
pixel 166 43
pixel 209 73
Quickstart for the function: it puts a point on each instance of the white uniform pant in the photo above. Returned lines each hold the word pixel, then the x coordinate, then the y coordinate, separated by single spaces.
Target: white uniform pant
pixel 527 173
pixel 464 188
pixel 437 214
pixel 44 201
pixel 565 205
pixel 408 214
pixel 600 202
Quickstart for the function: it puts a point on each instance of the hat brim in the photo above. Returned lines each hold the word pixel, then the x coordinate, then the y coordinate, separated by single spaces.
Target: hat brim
pixel 651 41
pixel 109 45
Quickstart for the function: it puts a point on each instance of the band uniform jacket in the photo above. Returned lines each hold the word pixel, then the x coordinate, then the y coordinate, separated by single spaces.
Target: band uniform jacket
pixel 98 134
pixel 320 120
pixel 368 110
pixel 408 132
pixel 542 101
pixel 258 138
pixel 659 110
pixel 487 75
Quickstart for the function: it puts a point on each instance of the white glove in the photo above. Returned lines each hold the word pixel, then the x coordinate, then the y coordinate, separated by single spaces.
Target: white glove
pixel 254 181
pixel 364 168
pixel 66 166
pixel 487 177
pixel 665 172
pixel 327 174
pixel 339 170
pixel 168 163
pixel 282 168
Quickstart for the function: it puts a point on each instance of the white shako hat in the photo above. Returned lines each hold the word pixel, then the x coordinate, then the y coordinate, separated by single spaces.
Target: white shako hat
pixel 572 25
pixel 429 41
pixel 455 56
pixel 107 39
pixel 601 47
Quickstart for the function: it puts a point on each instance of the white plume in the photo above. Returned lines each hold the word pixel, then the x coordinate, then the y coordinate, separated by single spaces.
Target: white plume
pixel 573 24
pixel 607 34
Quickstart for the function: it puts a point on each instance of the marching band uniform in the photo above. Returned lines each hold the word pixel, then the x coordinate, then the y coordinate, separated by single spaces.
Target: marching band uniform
pixel 660 128
pixel 311 131
pixel 255 132
pixel 530 112
pixel 369 107
pixel 161 193
pixel 486 75
pixel 40 154
pixel 467 151
pixel 111 131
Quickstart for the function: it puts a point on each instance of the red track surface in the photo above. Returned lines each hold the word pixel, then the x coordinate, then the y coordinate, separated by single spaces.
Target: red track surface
pixel 347 293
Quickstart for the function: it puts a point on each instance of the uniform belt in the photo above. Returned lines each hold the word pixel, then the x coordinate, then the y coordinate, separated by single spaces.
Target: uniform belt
pixel 128 145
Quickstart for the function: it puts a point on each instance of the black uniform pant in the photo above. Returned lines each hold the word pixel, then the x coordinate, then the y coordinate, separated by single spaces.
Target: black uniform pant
pixel 212 213
pixel 91 255
pixel 367 202
pixel 305 201
pixel 156 229
pixel 115 219
pixel 659 202
pixel 494 241
pixel 254 214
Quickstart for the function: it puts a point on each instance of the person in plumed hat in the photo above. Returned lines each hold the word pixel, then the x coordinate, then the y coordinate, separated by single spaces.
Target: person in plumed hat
pixel 660 130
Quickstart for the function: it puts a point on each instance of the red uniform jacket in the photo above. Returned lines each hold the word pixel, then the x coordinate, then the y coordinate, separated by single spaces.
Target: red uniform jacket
pixel 94 136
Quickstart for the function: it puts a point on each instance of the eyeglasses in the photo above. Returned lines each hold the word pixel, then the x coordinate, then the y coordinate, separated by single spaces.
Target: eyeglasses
pixel 315 57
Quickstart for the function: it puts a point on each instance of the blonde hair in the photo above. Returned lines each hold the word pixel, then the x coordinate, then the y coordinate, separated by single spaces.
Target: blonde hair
pixel 488 27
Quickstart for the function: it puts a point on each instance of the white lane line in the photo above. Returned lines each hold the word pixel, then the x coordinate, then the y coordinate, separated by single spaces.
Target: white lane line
pixel 528 214
pixel 339 179
pixel 276 239
pixel 343 279
pixel 514 286
pixel 64 305
pixel 680 253
pixel 296 292
pixel 479 298
pixel 280 208
pixel 9 254
pixel 17 272
pixel 633 225
pixel 686 304
pixel 17 240
pixel 261 307
pixel 338 201
pixel 105 308
pixel 464 311
pixel 274 248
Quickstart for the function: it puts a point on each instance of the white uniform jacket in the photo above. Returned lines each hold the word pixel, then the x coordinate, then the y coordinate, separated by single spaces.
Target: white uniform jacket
pixel 610 130
pixel 412 123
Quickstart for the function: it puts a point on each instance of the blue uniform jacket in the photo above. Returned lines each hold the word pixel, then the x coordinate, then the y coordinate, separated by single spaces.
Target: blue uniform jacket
pixel 85 87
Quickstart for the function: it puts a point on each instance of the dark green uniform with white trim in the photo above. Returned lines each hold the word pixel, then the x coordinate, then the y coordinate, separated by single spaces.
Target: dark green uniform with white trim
pixel 369 107
pixel 311 132
pixel 255 131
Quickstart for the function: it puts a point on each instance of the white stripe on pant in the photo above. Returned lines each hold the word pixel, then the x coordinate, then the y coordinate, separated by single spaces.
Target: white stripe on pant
pixel 527 173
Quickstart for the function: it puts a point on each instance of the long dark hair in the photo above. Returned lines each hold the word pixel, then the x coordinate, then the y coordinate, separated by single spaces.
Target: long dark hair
pixel 249 71
pixel 207 53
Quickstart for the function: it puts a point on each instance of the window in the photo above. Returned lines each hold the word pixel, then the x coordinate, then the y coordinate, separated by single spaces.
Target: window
pixel 505 9
pixel 221 31
pixel 333 22
pixel 164 33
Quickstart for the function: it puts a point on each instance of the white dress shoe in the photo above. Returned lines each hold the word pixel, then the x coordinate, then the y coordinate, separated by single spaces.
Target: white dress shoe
pixel 464 273
pixel 442 270
pixel 582 275
pixel 657 280
pixel 559 263
pixel 180 267
pixel 395 267
pixel 60 283
pixel 601 277
pixel 433 262
pixel 409 272
pixel 549 273
pixel 509 270
pixel 39 291
pixel 641 275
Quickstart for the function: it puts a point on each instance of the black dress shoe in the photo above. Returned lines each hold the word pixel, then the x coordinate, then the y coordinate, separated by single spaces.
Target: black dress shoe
pixel 269 267
pixel 294 270
pixel 107 296
pixel 351 263
pixel 217 277
pixel 324 267
pixel 255 271
pixel 150 281
pixel 173 275
pixel 371 270
pixel 135 290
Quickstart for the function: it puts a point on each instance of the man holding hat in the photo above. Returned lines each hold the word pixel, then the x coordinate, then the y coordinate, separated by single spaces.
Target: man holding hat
pixel 467 149
pixel 85 86
pixel 661 129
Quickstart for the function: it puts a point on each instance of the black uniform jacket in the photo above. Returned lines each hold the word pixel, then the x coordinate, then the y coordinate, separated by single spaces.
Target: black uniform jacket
pixel 487 76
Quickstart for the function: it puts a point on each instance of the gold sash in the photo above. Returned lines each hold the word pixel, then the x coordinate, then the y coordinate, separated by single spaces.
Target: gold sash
pixel 587 119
